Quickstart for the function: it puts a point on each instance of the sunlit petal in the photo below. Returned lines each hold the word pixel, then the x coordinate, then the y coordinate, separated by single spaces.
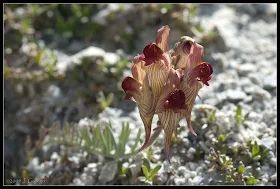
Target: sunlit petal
pixel 138 69
pixel 172 83
pixel 146 109
pixel 190 95
pixel 153 54
pixel 188 53
pixel 169 121
pixel 201 72
pixel 132 88
pixel 157 74
pixel 163 37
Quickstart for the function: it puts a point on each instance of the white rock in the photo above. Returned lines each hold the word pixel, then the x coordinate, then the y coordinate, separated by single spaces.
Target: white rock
pixel 273 177
pixel 108 172
pixel 197 180
pixel 179 181
pixel 273 161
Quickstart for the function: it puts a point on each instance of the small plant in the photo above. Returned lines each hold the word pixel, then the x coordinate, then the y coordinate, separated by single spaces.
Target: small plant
pixel 239 118
pixel 221 140
pixel 257 153
pixel 150 152
pixel 212 116
pixel 124 173
pixel 149 172
pixel 96 139
pixel 224 165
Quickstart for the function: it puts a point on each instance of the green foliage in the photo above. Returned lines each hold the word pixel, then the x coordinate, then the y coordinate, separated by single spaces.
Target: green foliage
pixel 239 118
pixel 150 173
pixel 41 59
pixel 167 6
pixel 252 180
pixel 224 165
pixel 122 64
pixel 96 139
pixel 221 141
pixel 212 116
pixel 257 152
pixel 123 170
pixel 150 152
pixel 104 101
pixel 221 138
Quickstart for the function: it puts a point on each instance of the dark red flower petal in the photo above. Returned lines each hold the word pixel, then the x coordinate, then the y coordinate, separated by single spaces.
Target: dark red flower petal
pixel 202 72
pixel 187 47
pixel 162 38
pixel 175 101
pixel 152 53
pixel 131 87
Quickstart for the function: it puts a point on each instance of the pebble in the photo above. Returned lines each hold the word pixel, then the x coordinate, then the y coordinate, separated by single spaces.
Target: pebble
pixel 268 142
pixel 235 95
pixel 273 177
pixel 197 180
pixel 179 181
pixel 273 161
pixel 270 81
pixel 191 153
pixel 134 169
pixel 245 69
pixel 108 172
pixel 181 170
pixel 193 174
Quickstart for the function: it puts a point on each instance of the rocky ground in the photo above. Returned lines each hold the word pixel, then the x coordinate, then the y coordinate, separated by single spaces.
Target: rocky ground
pixel 243 55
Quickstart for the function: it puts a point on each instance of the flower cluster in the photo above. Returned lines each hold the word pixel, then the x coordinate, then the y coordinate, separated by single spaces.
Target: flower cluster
pixel 166 82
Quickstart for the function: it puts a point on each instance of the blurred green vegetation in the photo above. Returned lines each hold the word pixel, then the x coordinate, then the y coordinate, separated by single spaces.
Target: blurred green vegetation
pixel 34 32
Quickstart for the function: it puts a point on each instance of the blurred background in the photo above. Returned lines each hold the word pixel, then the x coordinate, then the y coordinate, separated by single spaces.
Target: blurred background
pixel 63 68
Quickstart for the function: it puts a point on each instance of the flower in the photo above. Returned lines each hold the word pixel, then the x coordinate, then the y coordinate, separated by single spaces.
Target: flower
pixel 166 82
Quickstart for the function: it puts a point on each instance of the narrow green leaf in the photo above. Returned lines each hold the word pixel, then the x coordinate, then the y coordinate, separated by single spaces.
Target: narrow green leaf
pixel 212 116
pixel 255 149
pixel 238 111
pixel 258 157
pixel 114 147
pixel 86 137
pixel 246 116
pixel 136 140
pixel 221 138
pixel 252 180
pixel 265 152
pixel 145 171
pixel 122 132
pixel 256 181
pixel 241 169
pixel 150 152
pixel 154 171
pixel 127 132
pixel 122 141
pixel 98 138
pixel 108 140
pixel 147 164
pixel 94 139
pixel 110 137
pixel 104 146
